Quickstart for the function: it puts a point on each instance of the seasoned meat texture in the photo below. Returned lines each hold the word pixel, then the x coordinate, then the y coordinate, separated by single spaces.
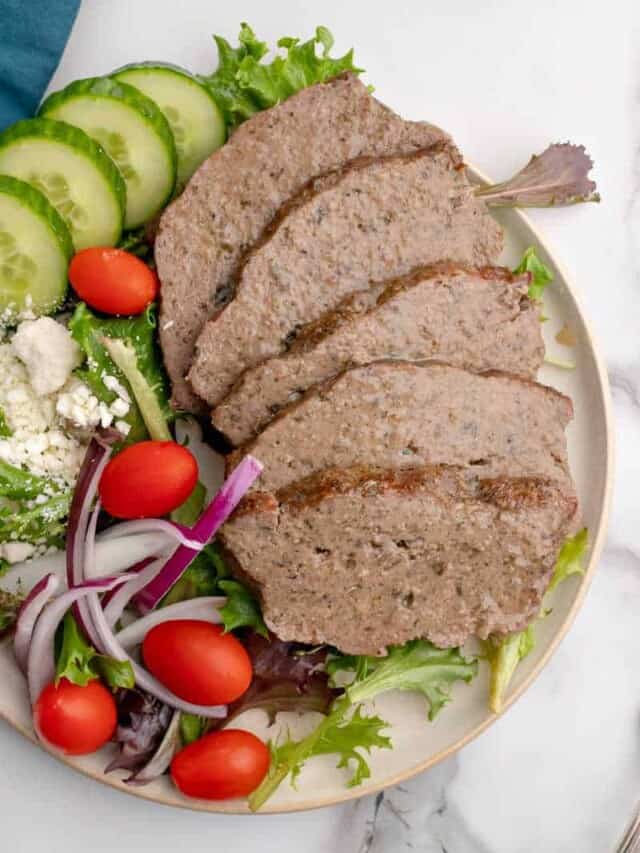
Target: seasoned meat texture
pixel 373 220
pixel 238 190
pixel 402 415
pixel 477 319
pixel 363 559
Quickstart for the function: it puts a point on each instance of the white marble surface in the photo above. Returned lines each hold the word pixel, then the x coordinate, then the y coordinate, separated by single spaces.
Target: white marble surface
pixel 561 771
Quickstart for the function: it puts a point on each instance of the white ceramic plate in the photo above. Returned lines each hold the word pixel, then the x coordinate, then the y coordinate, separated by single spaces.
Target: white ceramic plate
pixel 417 743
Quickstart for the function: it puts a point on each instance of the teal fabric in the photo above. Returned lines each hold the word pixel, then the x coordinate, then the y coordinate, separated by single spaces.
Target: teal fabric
pixel 33 34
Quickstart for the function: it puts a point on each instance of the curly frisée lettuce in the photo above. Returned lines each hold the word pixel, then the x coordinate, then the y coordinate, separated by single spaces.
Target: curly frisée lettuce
pixel 138 333
pixel 504 652
pixel 418 666
pixel 243 85
pixel 346 732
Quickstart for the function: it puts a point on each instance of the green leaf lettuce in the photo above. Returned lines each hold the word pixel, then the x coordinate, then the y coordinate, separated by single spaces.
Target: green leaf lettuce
pixel 541 275
pixel 504 652
pixel 79 662
pixel 32 508
pixel 417 666
pixel 243 84
pixel 208 574
pixel 139 333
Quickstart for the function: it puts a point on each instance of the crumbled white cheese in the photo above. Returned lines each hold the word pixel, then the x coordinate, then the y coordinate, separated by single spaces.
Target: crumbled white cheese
pixel 40 440
pixel 16 552
pixel 123 428
pixel 50 413
pixel 119 408
pixel 48 351
pixel 78 405
pixel 112 384
pixel 82 409
pixel 105 415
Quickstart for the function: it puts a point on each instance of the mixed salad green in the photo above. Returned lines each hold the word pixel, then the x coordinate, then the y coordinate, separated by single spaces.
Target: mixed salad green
pixel 157 124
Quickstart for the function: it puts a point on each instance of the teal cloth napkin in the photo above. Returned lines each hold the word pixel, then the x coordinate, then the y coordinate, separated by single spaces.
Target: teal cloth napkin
pixel 33 34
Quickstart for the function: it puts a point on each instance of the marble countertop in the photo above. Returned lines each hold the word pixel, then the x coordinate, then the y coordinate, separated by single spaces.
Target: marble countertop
pixel 561 771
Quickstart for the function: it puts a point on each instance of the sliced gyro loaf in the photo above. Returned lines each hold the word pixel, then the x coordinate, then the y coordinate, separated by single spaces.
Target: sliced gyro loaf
pixel 238 190
pixel 479 319
pixel 397 415
pixel 363 558
pixel 373 220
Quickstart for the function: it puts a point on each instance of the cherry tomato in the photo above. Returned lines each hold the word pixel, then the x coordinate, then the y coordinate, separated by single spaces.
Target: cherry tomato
pixel 77 720
pixel 197 661
pixel 148 480
pixel 112 280
pixel 222 765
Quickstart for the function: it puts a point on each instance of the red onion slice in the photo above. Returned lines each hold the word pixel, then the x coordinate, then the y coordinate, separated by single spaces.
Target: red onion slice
pixel 89 567
pixel 177 532
pixel 31 609
pixel 144 680
pixel 41 664
pixel 94 463
pixel 205 609
pixel 114 608
pixel 214 516
pixel 113 555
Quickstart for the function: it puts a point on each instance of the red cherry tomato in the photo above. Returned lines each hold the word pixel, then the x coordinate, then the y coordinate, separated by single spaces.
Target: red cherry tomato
pixel 112 280
pixel 197 661
pixel 222 765
pixel 148 480
pixel 78 720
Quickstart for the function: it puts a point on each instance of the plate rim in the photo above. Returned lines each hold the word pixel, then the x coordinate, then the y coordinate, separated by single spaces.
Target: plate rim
pixel 235 807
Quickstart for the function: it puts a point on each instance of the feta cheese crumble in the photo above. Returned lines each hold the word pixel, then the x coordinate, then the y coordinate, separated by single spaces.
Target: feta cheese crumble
pixel 48 410
pixel 16 552
pixel 50 415
pixel 48 352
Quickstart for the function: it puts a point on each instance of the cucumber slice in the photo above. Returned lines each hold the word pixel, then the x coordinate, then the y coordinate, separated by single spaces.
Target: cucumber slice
pixel 194 117
pixel 35 248
pixel 133 132
pixel 73 172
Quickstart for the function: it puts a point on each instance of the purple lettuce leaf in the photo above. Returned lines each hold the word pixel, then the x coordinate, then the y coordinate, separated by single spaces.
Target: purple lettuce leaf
pixel 559 176
pixel 286 677
pixel 142 724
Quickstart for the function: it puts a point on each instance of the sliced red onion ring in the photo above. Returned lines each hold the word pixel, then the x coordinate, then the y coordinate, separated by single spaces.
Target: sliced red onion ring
pixel 144 680
pixel 31 608
pixel 94 463
pixel 114 607
pixel 112 556
pixel 177 532
pixel 205 609
pixel 214 516
pixel 162 757
pixel 89 567
pixel 41 665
